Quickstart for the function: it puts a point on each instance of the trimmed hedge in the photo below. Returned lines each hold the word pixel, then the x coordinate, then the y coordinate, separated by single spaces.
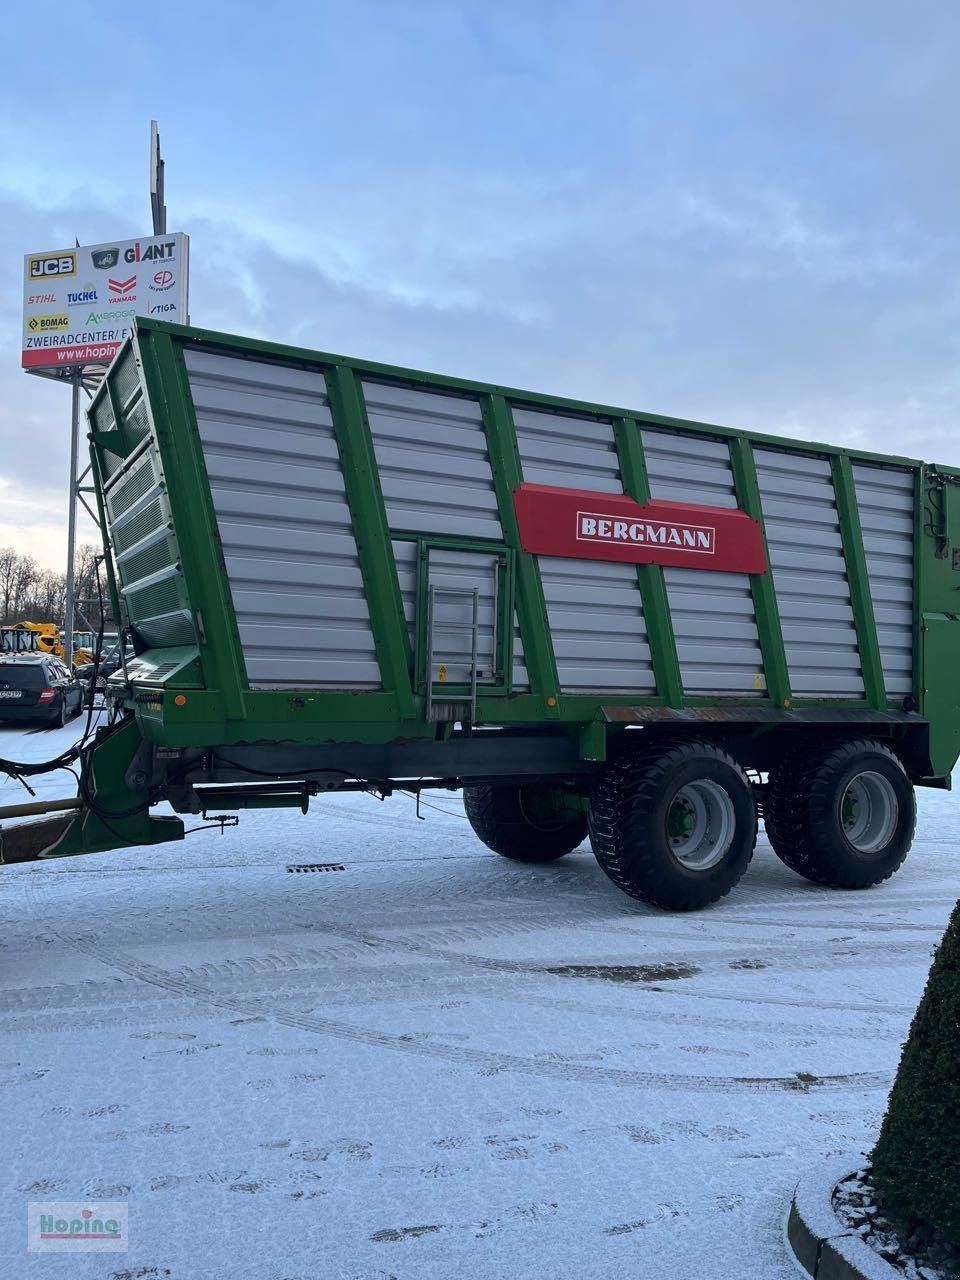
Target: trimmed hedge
pixel 916 1162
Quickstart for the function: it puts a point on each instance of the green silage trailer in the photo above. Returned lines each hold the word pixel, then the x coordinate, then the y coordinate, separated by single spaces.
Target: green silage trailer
pixel 340 575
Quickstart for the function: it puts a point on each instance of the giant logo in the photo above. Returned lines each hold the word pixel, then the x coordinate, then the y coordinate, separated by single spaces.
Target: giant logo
pixel 149 253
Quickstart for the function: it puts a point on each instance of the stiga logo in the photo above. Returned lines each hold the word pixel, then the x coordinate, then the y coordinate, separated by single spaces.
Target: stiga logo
pixel 149 253
pixel 700 539
pixel 160 308
pixel 41 266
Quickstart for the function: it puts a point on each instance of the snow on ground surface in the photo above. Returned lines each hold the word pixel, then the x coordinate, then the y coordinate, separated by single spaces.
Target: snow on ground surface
pixel 436 1062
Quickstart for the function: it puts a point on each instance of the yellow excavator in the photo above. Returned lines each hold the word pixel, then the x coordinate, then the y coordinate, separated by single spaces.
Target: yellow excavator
pixel 39 637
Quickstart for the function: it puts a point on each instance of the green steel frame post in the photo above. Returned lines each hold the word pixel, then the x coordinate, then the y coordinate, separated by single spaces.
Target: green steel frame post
pixel 378 568
pixel 108 562
pixel 531 606
pixel 859 581
pixel 761 584
pixel 919 584
pixel 653 590
pixel 167 393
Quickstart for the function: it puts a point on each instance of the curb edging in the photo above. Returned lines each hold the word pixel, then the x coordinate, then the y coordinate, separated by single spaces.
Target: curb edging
pixel 823 1246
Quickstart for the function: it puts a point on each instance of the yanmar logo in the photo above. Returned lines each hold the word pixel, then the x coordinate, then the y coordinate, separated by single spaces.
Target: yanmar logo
pixel 700 539
pixel 122 290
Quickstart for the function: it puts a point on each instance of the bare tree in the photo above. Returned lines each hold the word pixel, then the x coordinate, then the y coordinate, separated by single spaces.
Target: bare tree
pixel 29 593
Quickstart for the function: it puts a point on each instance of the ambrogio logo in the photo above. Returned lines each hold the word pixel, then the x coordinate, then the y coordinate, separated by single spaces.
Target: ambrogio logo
pixel 107 317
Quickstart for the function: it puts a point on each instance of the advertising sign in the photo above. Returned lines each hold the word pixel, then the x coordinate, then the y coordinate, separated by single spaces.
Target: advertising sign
pixel 603 526
pixel 79 304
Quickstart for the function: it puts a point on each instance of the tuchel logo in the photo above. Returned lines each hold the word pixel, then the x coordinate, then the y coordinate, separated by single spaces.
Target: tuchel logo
pixel 700 539
pixel 63 1226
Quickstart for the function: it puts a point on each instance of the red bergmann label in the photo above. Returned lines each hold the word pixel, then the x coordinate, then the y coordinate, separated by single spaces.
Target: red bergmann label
pixel 600 526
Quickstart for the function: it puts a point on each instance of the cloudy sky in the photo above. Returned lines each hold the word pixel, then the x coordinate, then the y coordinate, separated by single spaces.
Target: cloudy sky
pixel 732 210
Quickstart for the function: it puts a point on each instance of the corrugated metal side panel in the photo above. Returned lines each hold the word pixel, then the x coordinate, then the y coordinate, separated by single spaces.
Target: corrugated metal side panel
pixel 885 499
pixel 713 616
pixel 434 467
pixel 597 626
pixel 572 452
pixel 405 554
pixel 594 608
pixel 146 553
pixel 810 574
pixel 274 469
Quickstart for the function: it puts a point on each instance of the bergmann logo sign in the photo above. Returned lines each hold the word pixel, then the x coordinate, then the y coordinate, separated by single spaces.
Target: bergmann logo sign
pixel 698 539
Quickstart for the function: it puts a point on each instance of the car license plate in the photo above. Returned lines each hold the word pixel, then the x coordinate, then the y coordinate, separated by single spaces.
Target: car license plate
pixel 11 693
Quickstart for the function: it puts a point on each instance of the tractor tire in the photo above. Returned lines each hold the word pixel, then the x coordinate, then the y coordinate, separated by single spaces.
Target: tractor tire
pixel 843 816
pixel 518 822
pixel 676 827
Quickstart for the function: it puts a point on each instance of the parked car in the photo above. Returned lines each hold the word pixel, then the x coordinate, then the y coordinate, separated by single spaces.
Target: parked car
pixel 34 687
pixel 109 663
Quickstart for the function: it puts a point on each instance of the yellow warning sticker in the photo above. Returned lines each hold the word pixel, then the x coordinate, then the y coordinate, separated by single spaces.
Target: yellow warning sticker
pixel 442 673
pixel 758 681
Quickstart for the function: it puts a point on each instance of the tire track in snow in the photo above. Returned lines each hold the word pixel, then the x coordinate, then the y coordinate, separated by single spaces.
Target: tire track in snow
pixel 484 1060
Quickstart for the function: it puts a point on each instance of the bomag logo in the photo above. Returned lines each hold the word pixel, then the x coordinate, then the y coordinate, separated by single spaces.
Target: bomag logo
pixel 44 324
pixel 41 266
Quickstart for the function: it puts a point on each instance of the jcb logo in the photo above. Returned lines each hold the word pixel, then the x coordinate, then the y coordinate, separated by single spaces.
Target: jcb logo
pixel 43 266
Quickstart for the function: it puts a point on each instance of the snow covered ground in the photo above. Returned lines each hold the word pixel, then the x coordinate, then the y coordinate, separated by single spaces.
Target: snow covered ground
pixel 434 1062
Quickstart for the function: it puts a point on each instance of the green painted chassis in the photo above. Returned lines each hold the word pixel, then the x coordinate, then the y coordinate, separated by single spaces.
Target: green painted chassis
pixel 208 702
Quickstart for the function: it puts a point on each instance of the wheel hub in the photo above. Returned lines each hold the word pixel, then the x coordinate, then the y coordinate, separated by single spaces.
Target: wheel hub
pixel 869 812
pixel 700 824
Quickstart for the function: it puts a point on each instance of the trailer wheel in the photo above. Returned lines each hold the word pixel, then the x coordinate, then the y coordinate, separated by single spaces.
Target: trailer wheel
pixel 525 823
pixel 676 829
pixel 843 816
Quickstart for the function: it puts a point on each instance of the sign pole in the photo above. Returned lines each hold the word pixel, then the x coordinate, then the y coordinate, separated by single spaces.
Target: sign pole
pixel 71 602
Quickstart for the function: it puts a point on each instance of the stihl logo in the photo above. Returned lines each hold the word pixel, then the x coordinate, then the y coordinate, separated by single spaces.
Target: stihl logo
pixel 121 286
pixel 700 539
